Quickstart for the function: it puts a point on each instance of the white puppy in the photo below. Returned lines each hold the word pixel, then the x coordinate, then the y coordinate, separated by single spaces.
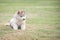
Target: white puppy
pixel 19 20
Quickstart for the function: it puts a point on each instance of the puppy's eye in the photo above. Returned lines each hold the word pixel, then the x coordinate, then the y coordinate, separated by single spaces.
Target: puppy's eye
pixel 21 16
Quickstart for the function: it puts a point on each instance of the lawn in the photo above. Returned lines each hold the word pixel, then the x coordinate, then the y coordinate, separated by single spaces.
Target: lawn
pixel 43 19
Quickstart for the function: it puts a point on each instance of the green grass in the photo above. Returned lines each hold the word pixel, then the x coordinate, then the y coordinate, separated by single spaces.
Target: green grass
pixel 43 19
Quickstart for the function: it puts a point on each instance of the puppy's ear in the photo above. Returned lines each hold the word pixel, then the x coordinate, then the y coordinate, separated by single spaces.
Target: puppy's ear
pixel 18 12
pixel 22 12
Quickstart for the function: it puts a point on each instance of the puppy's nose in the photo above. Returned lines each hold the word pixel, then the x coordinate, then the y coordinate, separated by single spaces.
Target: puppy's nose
pixel 23 19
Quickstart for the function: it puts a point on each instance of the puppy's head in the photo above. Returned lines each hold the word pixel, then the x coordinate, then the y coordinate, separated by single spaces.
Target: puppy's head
pixel 21 13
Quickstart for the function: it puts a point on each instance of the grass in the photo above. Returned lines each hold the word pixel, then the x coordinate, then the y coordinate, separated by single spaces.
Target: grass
pixel 43 20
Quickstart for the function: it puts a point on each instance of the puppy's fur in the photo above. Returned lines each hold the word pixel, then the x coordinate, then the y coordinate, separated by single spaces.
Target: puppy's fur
pixel 18 20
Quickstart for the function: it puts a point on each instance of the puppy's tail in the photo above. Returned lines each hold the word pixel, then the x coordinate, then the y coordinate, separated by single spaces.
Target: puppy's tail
pixel 7 24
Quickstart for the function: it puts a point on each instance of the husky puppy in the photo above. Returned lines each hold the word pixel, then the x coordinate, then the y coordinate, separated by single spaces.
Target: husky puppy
pixel 18 20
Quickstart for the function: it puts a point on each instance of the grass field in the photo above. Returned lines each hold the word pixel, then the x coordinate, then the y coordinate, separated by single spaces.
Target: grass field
pixel 43 19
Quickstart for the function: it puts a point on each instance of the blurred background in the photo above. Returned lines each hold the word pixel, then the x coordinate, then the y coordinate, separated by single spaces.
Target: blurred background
pixel 43 19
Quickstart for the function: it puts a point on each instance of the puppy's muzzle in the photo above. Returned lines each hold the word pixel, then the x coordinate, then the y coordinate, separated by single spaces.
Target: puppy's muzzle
pixel 23 19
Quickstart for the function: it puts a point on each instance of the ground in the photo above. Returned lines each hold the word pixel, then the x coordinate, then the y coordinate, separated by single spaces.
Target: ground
pixel 42 23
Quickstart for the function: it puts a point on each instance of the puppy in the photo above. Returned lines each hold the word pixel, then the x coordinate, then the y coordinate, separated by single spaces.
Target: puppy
pixel 18 20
